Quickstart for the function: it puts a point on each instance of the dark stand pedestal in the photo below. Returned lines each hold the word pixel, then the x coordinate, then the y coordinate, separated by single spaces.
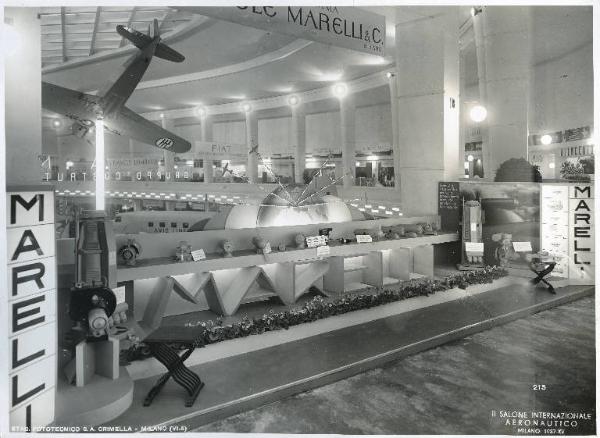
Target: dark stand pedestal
pixel 542 269
pixel 158 343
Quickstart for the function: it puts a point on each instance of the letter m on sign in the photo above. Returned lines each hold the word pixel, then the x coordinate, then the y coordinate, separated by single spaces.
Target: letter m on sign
pixel 27 205
pixel 583 190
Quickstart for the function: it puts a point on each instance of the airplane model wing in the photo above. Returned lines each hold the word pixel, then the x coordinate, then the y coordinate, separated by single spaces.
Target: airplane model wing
pixel 73 104
pixel 131 124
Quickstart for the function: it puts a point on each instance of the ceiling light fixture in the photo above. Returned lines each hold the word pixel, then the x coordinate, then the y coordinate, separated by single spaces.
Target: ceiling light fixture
pixel 56 123
pixel 246 107
pixel 546 139
pixel 201 111
pixel 476 10
pixel 478 113
pixel 340 90
pixel 293 100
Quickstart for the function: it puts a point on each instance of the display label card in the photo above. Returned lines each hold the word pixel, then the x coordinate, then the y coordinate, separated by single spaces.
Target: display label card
pixel 474 247
pixel 315 241
pixel 267 248
pixel 364 238
pixel 198 255
pixel 119 294
pixel 522 246
pixel 323 251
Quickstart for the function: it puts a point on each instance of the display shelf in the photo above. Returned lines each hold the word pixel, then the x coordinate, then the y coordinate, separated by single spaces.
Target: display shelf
pixel 164 266
pixel 306 276
pixel 354 286
pixel 389 281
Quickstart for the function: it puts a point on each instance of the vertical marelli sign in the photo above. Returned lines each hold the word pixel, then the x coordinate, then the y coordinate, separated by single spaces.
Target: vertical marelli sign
pixel 581 233
pixel 31 307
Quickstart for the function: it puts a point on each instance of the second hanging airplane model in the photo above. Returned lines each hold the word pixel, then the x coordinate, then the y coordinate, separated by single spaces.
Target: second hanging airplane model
pixel 84 109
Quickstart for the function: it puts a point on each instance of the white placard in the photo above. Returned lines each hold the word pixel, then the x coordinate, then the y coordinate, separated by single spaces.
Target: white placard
pixel 522 246
pixel 315 241
pixel 31 277
pixel 29 208
pixel 267 248
pixel 37 413
pixel 323 251
pixel 27 383
pixel 29 243
pixel 198 255
pixel 364 238
pixel 474 247
pixel 31 311
pixel 348 27
pixel 119 294
pixel 31 346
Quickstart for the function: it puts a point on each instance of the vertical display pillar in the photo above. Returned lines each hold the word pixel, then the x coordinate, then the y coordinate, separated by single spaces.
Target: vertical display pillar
pixel 582 252
pixel 347 126
pixel 168 156
pixel 32 329
pixel 299 143
pixel 252 145
pixel 206 134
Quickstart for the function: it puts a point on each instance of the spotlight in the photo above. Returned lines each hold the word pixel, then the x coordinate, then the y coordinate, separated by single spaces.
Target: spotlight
pixel 470 158
pixel 546 139
pixel 476 11
pixel 340 90
pixel 247 107
pixel 201 111
pixel 478 113
pixel 293 100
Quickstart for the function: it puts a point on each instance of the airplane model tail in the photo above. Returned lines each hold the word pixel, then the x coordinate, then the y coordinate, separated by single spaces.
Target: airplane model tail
pixel 141 41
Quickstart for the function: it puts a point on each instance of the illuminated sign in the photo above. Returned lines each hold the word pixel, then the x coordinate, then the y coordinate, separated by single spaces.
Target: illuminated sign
pixel 31 308
pixel 347 27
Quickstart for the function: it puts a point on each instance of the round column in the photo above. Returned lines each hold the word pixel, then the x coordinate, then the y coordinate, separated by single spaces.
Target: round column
pixel 508 64
pixel 252 145
pixel 206 134
pixel 299 142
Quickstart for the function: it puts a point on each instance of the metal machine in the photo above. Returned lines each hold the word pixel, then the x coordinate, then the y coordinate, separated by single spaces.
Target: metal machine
pixel 92 299
pixel 472 242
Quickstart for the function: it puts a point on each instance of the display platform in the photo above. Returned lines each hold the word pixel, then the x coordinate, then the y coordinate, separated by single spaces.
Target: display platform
pixel 323 352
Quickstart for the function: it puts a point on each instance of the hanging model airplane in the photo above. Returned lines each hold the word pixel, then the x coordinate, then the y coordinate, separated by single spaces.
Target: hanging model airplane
pixel 84 108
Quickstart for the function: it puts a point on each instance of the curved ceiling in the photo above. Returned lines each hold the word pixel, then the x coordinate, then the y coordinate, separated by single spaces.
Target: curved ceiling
pixel 227 62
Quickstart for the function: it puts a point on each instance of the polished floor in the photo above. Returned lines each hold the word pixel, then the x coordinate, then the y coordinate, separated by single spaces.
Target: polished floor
pixel 463 387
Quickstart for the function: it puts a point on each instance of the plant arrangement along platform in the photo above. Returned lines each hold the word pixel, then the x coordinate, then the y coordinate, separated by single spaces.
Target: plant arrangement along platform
pixel 320 308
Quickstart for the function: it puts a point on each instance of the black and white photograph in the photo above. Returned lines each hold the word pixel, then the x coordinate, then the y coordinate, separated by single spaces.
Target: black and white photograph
pixel 363 218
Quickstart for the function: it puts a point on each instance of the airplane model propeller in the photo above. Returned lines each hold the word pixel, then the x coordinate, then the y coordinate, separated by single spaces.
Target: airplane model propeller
pixel 84 108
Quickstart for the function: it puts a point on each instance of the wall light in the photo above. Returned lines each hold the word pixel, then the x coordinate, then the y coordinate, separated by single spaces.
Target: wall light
pixel 201 111
pixel 293 100
pixel 476 11
pixel 389 75
pixel 546 139
pixel 478 113
pixel 340 90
